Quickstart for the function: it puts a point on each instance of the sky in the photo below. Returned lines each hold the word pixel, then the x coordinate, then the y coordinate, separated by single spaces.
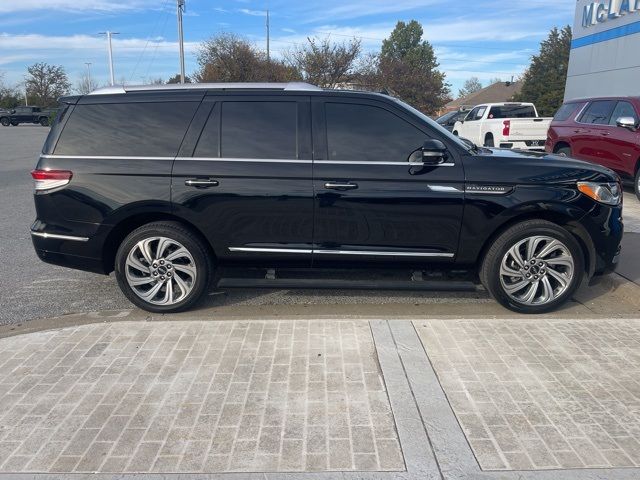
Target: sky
pixel 481 38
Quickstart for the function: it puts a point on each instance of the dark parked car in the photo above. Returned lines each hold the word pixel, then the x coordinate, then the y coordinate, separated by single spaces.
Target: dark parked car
pixel 27 115
pixel 600 130
pixel 167 184
pixel 449 119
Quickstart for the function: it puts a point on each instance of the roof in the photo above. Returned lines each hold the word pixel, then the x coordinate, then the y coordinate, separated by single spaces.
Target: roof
pixel 498 92
pixel 291 86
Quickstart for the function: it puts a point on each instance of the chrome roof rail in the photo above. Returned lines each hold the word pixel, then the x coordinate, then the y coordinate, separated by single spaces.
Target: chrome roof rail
pixel 291 87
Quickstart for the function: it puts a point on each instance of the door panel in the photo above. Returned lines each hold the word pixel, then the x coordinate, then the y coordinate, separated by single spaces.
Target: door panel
pixel 370 203
pixel 257 204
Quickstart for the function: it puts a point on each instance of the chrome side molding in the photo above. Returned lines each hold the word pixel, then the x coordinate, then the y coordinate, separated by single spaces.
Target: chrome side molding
pixel 56 236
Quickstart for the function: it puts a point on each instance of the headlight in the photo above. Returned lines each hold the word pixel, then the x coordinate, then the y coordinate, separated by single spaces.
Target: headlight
pixel 607 193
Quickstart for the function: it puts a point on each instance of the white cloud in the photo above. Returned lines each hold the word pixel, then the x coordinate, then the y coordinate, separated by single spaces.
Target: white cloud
pixel 253 13
pixel 7 6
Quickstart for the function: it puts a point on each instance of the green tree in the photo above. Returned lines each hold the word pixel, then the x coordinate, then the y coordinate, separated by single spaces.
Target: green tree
pixel 472 85
pixel 9 96
pixel 176 79
pixel 546 77
pixel 407 67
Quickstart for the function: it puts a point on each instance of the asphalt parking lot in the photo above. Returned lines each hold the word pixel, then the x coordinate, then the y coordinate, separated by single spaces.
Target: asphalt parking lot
pixel 34 290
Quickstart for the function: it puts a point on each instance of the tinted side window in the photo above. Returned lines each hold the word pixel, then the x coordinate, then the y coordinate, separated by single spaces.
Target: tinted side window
pixel 598 113
pixel 368 133
pixel 623 109
pixel 126 129
pixel 512 111
pixel 209 141
pixel 565 111
pixel 259 130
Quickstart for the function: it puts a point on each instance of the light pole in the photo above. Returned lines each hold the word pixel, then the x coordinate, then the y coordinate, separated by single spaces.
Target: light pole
pixel 109 34
pixel 268 35
pixel 181 38
pixel 88 64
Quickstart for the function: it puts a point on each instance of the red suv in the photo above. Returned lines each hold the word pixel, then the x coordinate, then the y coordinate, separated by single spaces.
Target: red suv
pixel 600 130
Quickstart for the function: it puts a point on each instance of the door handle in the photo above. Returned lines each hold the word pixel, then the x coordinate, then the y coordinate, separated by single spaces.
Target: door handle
pixel 201 182
pixel 605 134
pixel 340 186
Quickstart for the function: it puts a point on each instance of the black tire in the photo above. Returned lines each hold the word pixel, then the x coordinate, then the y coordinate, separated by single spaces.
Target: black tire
pixel 488 141
pixel 564 151
pixel 491 264
pixel 636 183
pixel 14 123
pixel 44 121
pixel 191 242
pixel 5 121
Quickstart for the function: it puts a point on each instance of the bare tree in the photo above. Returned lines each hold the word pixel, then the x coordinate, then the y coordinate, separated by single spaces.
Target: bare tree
pixel 229 58
pixel 46 83
pixel 324 63
pixel 86 85
pixel 471 85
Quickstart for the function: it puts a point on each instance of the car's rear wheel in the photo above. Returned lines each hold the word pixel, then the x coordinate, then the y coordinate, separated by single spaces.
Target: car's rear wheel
pixel 44 121
pixel 533 267
pixel 636 183
pixel 14 123
pixel 5 122
pixel 163 267
pixel 564 151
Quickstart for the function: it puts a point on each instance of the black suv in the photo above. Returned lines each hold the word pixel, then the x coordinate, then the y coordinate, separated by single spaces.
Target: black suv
pixel 166 184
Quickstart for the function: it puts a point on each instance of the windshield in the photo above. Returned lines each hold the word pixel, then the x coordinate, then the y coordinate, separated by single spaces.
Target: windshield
pixel 446 117
pixel 443 131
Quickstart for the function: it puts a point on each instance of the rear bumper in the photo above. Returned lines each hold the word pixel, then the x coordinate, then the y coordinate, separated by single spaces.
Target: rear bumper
pixel 78 250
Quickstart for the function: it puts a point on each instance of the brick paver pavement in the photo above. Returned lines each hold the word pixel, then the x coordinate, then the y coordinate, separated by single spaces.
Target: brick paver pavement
pixel 537 394
pixel 196 397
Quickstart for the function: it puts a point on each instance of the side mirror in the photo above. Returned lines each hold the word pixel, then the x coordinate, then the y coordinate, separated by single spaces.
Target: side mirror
pixel 433 152
pixel 13 111
pixel 627 122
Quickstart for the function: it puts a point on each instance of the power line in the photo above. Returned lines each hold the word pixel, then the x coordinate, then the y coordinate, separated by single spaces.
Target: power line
pixel 153 31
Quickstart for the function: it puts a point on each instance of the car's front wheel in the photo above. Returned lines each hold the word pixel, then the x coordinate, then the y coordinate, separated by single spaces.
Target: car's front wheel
pixel 533 267
pixel 637 183
pixel 5 121
pixel 163 267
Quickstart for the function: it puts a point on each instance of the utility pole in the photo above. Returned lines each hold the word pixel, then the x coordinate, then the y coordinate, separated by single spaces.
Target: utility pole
pixel 109 34
pixel 181 8
pixel 268 52
pixel 88 64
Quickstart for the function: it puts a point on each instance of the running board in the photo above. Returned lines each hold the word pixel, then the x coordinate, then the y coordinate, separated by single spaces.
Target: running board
pixel 308 283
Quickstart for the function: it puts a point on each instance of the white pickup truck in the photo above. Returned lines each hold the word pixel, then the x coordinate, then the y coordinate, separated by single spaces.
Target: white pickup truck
pixel 505 125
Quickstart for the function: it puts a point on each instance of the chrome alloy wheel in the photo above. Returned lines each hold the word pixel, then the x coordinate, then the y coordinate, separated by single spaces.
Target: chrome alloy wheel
pixel 160 271
pixel 537 270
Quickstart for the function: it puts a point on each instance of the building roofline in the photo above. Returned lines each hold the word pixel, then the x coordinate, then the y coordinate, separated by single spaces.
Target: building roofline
pixel 290 86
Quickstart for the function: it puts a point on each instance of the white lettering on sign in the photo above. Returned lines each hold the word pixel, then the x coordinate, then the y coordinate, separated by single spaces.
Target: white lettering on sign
pixel 599 12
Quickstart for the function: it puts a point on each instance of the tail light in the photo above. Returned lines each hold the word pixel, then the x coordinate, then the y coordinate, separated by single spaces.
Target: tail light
pixel 506 128
pixel 48 179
